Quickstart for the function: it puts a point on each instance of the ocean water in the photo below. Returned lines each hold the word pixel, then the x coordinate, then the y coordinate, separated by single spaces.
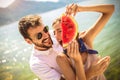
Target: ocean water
pixel 15 52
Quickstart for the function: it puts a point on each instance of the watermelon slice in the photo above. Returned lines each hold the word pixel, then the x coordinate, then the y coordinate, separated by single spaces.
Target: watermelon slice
pixel 69 29
pixel 69 33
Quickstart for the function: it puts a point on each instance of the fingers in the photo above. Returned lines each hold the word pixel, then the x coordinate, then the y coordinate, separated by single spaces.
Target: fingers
pixel 71 9
pixel 76 50
pixel 77 47
pixel 106 63
pixel 73 49
pixel 103 63
pixel 105 66
pixel 68 9
pixel 68 49
pixel 99 67
pixel 75 11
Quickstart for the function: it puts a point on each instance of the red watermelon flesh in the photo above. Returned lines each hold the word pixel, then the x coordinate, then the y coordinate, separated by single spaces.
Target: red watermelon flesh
pixel 69 29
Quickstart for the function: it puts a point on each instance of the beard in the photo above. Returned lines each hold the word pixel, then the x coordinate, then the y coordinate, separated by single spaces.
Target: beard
pixel 42 45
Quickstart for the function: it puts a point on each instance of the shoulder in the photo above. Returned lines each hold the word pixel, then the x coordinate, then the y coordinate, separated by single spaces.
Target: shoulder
pixel 34 60
pixel 86 38
pixel 37 64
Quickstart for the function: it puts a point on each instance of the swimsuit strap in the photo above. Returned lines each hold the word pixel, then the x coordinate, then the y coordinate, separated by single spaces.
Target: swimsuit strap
pixel 83 48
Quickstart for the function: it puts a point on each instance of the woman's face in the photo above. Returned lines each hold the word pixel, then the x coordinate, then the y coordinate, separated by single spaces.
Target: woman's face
pixel 58 31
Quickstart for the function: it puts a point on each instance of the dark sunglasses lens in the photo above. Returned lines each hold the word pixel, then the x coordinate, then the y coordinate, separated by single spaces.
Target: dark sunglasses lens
pixel 46 29
pixel 39 36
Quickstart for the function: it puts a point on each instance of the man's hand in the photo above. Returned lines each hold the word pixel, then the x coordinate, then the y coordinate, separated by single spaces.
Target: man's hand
pixel 98 67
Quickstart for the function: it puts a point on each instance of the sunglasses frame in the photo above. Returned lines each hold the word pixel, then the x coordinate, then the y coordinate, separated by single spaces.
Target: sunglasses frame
pixel 46 29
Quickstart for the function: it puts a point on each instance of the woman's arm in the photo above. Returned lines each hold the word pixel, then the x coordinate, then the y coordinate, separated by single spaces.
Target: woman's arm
pixel 74 54
pixel 106 11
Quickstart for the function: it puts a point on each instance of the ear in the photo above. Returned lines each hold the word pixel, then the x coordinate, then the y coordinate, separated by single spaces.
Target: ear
pixel 28 41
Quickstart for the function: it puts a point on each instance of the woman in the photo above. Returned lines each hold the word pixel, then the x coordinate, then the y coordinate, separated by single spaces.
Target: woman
pixel 72 67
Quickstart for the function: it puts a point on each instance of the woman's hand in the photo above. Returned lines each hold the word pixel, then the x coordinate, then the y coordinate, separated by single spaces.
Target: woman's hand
pixel 73 51
pixel 98 67
pixel 71 9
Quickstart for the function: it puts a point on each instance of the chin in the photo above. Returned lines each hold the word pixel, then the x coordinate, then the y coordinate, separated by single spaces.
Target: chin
pixel 49 44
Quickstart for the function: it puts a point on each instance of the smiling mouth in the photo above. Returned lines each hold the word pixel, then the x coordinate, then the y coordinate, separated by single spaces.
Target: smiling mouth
pixel 46 40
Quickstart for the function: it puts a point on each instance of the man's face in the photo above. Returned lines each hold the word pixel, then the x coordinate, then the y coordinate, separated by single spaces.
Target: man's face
pixel 40 37
pixel 58 32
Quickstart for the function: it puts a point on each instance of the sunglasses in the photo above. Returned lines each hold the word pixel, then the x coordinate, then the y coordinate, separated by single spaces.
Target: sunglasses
pixel 39 35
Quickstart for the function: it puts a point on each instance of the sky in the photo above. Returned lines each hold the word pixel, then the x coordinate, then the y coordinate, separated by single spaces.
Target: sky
pixel 44 0
pixel 6 3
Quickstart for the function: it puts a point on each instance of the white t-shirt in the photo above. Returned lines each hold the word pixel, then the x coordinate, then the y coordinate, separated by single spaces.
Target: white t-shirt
pixel 43 63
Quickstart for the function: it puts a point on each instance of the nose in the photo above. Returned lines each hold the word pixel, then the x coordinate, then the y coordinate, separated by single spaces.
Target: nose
pixel 45 35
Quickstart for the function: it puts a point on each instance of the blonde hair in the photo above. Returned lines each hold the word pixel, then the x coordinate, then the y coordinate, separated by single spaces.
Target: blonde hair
pixel 56 20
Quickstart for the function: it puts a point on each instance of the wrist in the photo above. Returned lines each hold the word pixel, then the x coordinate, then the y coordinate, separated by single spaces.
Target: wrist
pixel 78 59
pixel 84 8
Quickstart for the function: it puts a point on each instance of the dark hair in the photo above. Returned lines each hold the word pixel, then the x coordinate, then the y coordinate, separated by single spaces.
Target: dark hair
pixel 28 21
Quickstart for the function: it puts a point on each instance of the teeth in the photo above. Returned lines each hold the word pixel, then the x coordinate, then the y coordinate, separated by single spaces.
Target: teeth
pixel 46 40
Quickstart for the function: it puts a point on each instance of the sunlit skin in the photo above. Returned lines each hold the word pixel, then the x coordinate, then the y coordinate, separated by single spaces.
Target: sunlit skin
pixel 58 34
pixel 96 68
pixel 41 44
pixel 58 31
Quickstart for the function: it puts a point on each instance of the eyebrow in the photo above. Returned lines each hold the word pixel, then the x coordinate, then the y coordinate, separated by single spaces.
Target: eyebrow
pixel 58 29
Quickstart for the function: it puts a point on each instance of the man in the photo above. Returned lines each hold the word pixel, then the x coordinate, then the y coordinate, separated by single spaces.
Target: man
pixel 43 60
pixel 46 48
